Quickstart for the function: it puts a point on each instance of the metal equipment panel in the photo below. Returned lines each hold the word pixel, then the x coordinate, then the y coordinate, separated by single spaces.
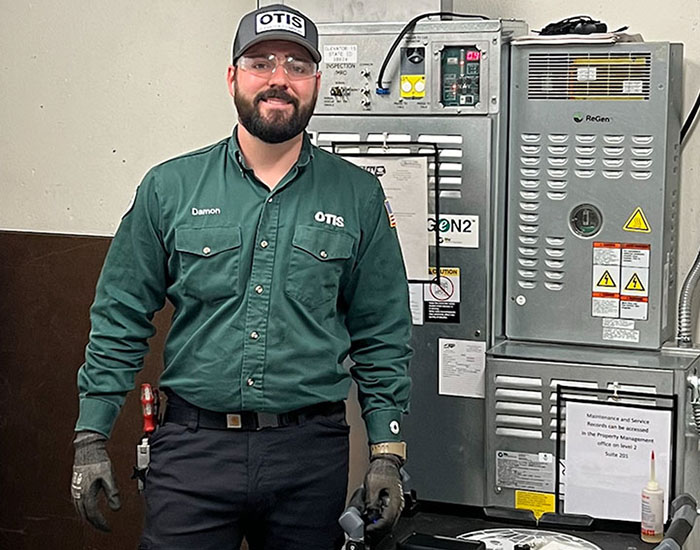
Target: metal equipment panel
pixel 593 185
pixel 448 83
pixel 521 405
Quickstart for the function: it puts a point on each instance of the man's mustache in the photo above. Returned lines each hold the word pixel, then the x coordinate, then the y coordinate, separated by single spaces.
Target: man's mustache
pixel 275 93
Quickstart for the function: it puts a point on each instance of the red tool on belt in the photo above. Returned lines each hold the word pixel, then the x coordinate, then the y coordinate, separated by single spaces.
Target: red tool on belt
pixel 149 407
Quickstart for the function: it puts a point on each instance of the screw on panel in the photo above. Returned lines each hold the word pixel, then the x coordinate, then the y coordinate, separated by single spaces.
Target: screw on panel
pixel 494 100
pixel 477 333
pixel 498 490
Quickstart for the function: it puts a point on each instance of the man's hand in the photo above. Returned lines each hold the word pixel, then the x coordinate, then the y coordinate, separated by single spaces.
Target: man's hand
pixel 383 495
pixel 92 471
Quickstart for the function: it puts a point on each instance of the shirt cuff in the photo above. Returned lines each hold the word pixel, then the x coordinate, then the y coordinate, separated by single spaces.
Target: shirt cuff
pixel 383 425
pixel 96 415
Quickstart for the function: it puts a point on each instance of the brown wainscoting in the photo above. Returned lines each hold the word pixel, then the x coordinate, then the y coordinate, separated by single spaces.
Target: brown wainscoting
pixel 47 284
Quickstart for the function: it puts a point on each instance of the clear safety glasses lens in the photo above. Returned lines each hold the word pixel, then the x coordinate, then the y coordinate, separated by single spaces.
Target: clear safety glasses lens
pixel 265 65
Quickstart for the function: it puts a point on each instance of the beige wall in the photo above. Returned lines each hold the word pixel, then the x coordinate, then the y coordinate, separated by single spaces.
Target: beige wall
pixel 96 92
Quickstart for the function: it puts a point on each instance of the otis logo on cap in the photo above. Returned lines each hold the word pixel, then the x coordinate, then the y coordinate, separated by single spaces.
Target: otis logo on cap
pixel 280 21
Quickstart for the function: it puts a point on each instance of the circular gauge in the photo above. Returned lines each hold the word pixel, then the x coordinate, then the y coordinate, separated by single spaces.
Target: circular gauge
pixel 586 220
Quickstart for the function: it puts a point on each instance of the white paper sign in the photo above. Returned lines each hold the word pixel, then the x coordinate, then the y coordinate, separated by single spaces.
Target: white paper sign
pixel 608 451
pixel 461 365
pixel 405 184
pixel 415 295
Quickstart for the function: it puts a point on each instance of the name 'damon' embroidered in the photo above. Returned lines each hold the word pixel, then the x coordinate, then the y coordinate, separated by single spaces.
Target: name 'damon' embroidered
pixel 206 211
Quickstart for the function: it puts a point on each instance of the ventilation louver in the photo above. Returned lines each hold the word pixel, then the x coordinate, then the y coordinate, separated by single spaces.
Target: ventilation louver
pixel 591 76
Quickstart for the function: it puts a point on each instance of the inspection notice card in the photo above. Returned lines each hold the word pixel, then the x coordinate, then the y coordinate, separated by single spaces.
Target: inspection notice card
pixel 608 452
pixel 405 184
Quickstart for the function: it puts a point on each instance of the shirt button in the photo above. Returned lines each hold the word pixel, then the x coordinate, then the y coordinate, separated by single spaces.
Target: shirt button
pixel 250 382
pixel 254 335
pixel 323 254
pixel 263 244
pixel 259 289
pixel 206 250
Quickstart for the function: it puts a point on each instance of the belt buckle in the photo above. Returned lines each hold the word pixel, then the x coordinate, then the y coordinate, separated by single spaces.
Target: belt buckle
pixel 266 420
pixel 234 421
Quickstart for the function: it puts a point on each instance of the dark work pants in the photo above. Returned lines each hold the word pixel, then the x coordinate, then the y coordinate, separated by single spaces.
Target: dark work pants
pixel 282 488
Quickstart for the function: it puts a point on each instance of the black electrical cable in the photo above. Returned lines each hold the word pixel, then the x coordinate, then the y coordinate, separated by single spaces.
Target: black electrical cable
pixel 691 117
pixel 412 23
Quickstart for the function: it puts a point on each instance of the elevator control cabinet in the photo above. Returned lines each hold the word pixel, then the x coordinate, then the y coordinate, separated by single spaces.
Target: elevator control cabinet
pixel 593 198
pixel 591 245
pixel 446 85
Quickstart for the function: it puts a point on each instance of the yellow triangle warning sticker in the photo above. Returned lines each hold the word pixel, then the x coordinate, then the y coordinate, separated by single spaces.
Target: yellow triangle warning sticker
pixel 637 222
pixel 635 284
pixel 606 280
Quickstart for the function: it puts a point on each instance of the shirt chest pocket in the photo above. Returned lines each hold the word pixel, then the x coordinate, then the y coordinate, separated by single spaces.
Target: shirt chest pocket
pixel 209 261
pixel 316 264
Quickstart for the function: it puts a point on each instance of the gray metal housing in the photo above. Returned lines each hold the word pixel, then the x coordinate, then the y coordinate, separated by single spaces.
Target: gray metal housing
pixel 616 148
pixel 521 404
pixel 444 433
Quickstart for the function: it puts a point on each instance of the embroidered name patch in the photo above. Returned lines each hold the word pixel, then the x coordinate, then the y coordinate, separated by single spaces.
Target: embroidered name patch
pixel 280 21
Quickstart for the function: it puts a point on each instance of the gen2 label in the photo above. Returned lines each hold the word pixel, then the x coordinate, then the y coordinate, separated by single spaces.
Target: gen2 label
pixel 457 230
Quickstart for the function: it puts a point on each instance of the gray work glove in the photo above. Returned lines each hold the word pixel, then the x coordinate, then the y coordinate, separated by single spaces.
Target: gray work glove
pixel 383 495
pixel 92 471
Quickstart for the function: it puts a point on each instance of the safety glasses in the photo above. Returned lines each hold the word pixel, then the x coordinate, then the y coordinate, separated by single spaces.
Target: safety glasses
pixel 265 65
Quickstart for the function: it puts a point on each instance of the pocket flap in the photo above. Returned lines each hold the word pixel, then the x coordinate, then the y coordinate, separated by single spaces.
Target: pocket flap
pixel 207 241
pixel 323 244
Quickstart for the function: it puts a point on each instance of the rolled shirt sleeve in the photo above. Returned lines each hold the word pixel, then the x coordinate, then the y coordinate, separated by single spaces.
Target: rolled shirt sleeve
pixel 131 288
pixel 379 324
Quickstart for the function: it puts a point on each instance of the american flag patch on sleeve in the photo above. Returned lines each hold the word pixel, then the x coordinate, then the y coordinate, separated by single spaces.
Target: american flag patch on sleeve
pixel 390 213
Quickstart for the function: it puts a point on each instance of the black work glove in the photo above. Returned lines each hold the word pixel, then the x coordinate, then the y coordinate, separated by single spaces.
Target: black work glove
pixel 383 495
pixel 92 471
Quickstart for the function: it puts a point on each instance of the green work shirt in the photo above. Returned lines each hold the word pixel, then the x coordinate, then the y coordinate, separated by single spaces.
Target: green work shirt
pixel 272 290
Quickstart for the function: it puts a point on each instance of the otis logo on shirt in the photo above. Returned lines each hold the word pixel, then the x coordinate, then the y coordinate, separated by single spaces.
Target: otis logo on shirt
pixel 279 20
pixel 330 219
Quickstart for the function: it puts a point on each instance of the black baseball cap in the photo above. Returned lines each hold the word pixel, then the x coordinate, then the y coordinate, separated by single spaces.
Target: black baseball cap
pixel 276 22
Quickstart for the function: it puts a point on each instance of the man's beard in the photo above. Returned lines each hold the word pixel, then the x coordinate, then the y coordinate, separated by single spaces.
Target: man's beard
pixel 279 126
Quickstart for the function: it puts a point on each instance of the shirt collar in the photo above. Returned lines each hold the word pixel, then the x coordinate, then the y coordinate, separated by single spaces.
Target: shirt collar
pixel 305 156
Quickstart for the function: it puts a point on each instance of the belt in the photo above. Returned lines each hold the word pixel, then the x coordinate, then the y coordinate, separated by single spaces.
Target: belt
pixel 181 412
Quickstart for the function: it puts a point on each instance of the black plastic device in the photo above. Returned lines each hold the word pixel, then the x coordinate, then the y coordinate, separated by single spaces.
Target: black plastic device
pixel 420 541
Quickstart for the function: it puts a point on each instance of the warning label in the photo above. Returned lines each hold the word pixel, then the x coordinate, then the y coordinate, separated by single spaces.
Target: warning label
pixel 636 281
pixel 606 278
pixel 606 305
pixel 635 284
pixel 634 308
pixel 441 296
pixel 635 257
pixel 620 285
pixel 637 222
pixel 441 312
pixel 539 503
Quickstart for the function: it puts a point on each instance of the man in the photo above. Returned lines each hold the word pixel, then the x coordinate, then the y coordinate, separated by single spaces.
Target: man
pixel 280 261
